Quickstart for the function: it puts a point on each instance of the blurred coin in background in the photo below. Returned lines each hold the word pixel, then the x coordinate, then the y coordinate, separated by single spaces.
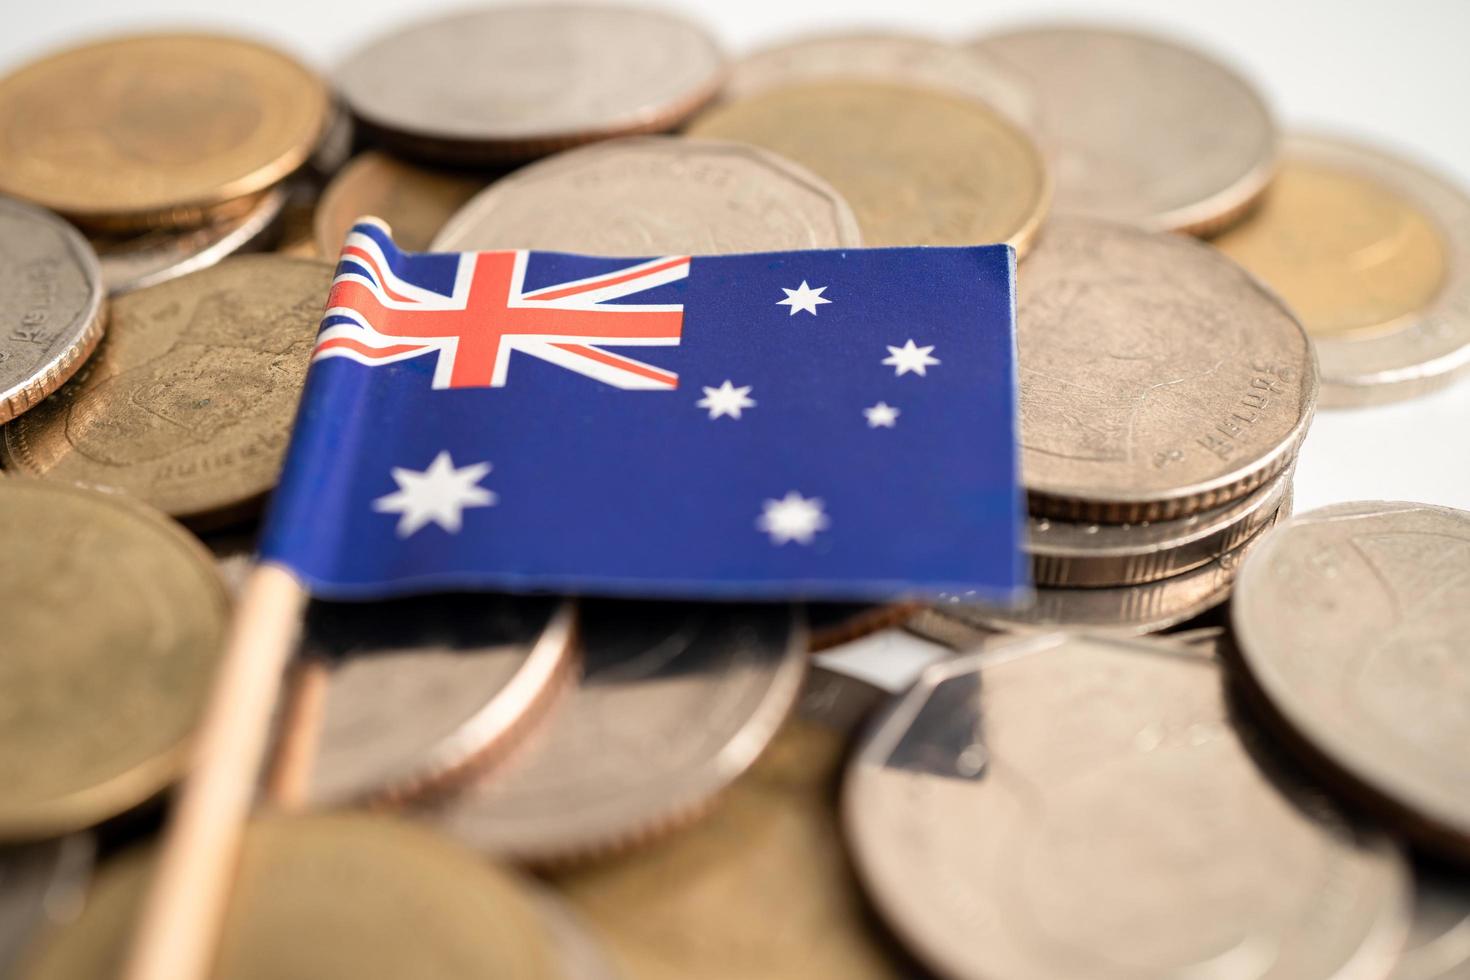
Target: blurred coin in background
pixel 41 884
pixel 1142 129
pixel 414 201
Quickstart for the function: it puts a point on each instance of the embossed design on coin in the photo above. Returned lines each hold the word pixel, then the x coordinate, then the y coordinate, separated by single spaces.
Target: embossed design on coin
pixel 1141 129
pixel 988 821
pixel 676 701
pixel 654 196
pixel 919 167
pixel 520 80
pixel 52 305
pixel 1351 621
pixel 1158 378
pixel 101 703
pixel 415 201
pixel 1373 253
pixel 155 130
pixel 40 884
pixel 188 403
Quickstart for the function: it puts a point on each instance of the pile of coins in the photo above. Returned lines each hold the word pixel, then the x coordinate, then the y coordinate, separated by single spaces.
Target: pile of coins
pixel 518 786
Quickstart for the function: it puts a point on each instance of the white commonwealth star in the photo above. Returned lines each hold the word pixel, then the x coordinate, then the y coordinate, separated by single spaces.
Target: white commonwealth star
pixel 726 400
pixel 438 494
pixel 803 297
pixel 792 518
pixel 881 416
pixel 910 357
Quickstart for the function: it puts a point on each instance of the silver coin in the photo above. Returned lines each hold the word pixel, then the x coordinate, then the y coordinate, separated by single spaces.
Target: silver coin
pixel 1439 935
pixel 423 690
pixel 906 59
pixel 675 702
pixel 157 256
pixel 656 196
pixel 1352 623
pixel 1158 378
pixel 1142 129
pixel 522 80
pixel 40 885
pixel 1070 806
pixel 52 304
pixel 1066 553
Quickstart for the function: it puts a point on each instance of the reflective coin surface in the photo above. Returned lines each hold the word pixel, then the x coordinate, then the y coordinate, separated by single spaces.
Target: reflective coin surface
pixel 1140 129
pixel 1352 623
pixel 1438 947
pixel 113 618
pixel 920 167
pixel 656 195
pixel 330 897
pixel 1373 253
pixel 52 305
pixel 675 702
pixel 155 130
pixel 415 201
pixel 188 403
pixel 1158 378
pixel 422 690
pixel 907 59
pixel 515 81
pixel 700 903
pixel 1065 806
pixel 40 885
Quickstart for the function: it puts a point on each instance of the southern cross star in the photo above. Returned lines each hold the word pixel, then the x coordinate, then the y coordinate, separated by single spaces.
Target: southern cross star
pixel 803 297
pixel 910 357
pixel 881 416
pixel 437 495
pixel 792 518
pixel 726 400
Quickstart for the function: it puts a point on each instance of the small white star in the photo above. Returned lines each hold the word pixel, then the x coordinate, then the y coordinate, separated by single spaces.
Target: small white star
pixel 910 358
pixel 726 400
pixel 803 297
pixel 881 416
pixel 439 494
pixel 792 518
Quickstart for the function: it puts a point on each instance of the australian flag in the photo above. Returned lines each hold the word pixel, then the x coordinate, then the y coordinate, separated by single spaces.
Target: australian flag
pixel 823 424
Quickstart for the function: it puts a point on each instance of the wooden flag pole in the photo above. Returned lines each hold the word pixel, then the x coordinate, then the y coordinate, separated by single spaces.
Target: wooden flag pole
pixel 300 733
pixel 181 917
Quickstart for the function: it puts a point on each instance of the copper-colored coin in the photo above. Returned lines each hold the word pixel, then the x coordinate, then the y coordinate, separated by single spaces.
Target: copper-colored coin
pixel 1373 253
pixel 155 130
pixel 332 897
pixel 1142 129
pixel 919 167
pixel 113 618
pixel 520 80
pixel 188 403
pixel 1158 378
pixel 415 201
pixel 676 701
pixel 1066 806
pixel 701 903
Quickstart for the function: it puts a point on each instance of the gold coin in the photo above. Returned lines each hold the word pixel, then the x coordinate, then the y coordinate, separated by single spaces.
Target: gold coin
pixel 331 897
pixel 415 201
pixel 155 130
pixel 188 402
pixel 919 167
pixel 113 618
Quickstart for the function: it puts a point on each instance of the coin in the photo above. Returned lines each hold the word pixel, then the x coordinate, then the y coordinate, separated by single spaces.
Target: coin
pixel 40 884
pixel 415 201
pixel 1067 553
pixel 1351 623
pixel 676 701
pixel 516 81
pixel 134 261
pixel 580 956
pixel 656 195
pixel 1065 806
pixel 919 167
pixel 1141 129
pixel 1373 253
pixel 330 897
pixel 422 690
pixel 700 904
pixel 113 622
pixel 156 130
pixel 1439 935
pixel 51 304
pixel 188 403
pixel 1157 377
pixel 908 59
pixel 831 624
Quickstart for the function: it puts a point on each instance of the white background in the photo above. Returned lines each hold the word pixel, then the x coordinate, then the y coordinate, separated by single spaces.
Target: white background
pixel 1397 73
